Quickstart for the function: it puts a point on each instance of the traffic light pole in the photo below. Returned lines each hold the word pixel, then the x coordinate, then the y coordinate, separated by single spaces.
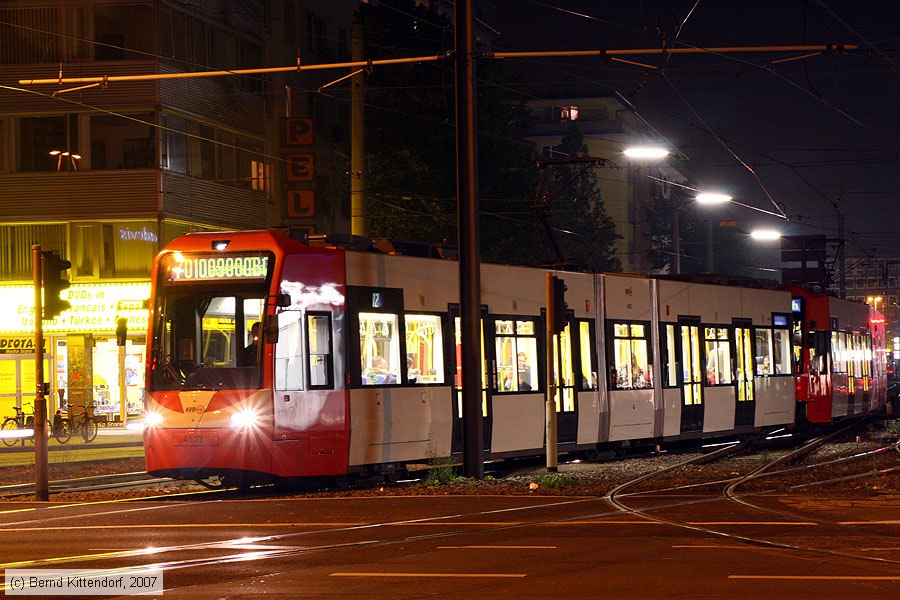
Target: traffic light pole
pixel 41 469
pixel 550 331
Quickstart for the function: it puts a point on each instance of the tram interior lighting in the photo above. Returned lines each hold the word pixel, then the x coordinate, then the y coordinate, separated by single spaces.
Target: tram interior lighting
pixel 220 245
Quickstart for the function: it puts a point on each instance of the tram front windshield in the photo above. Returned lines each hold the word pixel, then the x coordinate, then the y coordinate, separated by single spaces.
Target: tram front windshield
pixel 207 340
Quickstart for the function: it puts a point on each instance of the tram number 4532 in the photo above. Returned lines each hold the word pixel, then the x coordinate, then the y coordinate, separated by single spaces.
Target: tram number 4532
pixel 196 439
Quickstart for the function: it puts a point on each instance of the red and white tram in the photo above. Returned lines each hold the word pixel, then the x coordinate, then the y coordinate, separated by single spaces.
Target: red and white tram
pixel 356 369
pixel 840 357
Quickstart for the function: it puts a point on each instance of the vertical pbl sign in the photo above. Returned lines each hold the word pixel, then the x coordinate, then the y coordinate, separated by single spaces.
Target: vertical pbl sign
pixel 81 369
pixel 300 201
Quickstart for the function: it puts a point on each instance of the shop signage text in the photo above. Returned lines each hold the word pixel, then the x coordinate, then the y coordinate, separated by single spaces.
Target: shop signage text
pixel 95 308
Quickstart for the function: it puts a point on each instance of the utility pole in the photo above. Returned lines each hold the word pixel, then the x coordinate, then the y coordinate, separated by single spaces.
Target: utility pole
pixel 469 249
pixel 41 467
pixel 358 135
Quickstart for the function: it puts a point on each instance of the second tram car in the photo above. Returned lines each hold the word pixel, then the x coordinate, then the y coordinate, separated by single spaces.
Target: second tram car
pixel 269 357
pixel 840 357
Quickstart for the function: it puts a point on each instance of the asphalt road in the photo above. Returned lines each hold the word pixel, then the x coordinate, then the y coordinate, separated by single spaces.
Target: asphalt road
pixel 472 547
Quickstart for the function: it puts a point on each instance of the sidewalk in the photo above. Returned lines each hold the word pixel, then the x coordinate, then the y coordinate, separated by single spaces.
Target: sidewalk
pixel 111 442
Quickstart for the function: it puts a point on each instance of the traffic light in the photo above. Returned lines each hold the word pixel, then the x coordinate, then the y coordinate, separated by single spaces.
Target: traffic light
pixel 121 332
pixel 54 284
pixel 559 304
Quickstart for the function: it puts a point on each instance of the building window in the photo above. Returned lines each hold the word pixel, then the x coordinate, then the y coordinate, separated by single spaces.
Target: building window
pixel 122 142
pixel 41 136
pixel 174 151
pixel 119 29
pixel 290 23
pixel 30 35
pixel 202 143
pixel 84 252
pixel 315 34
pixel 15 247
pixel 343 46
pixel 557 114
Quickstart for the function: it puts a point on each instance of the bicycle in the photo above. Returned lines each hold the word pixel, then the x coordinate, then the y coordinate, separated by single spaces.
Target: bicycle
pixel 58 428
pixel 20 421
pixel 82 422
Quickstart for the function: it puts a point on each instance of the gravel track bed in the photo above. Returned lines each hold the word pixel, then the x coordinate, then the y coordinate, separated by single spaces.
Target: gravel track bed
pixel 583 479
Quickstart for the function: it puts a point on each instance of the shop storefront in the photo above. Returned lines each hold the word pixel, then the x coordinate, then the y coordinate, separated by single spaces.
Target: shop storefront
pixel 84 364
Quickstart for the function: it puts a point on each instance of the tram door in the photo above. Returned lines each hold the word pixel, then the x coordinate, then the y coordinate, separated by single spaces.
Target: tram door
pixel 486 412
pixel 692 378
pixel 564 377
pixel 745 408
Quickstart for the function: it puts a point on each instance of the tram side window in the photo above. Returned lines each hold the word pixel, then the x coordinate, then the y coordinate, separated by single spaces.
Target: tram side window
pixel 289 353
pixel 718 355
pixel 630 357
pixel 670 357
pixel 764 352
pixel 839 351
pixel 516 355
pixel 379 342
pixel 586 356
pixel 781 345
pixel 457 376
pixel 318 331
pixel 424 349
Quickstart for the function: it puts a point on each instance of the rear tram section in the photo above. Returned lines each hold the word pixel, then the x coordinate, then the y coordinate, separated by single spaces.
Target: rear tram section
pixel 839 355
pixel 356 367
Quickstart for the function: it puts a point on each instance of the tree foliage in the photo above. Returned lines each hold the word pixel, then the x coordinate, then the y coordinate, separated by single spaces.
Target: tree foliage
pixel 578 230
pixel 411 150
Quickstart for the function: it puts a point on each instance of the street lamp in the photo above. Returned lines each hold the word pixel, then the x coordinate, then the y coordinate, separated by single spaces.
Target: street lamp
pixel 873 301
pixel 712 198
pixel 765 235
pixel 700 198
pixel 59 154
pixel 646 152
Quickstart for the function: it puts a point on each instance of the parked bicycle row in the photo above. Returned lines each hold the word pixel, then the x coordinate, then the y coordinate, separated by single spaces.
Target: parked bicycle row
pixel 21 426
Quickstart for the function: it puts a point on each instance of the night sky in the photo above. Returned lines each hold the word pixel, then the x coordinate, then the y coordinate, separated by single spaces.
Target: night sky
pixel 821 134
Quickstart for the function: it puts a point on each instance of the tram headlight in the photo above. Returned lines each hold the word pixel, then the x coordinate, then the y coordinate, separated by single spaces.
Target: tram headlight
pixel 152 419
pixel 244 419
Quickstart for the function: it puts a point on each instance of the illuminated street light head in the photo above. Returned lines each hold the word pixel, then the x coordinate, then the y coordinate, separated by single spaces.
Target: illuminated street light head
pixel 765 234
pixel 646 152
pixel 712 198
